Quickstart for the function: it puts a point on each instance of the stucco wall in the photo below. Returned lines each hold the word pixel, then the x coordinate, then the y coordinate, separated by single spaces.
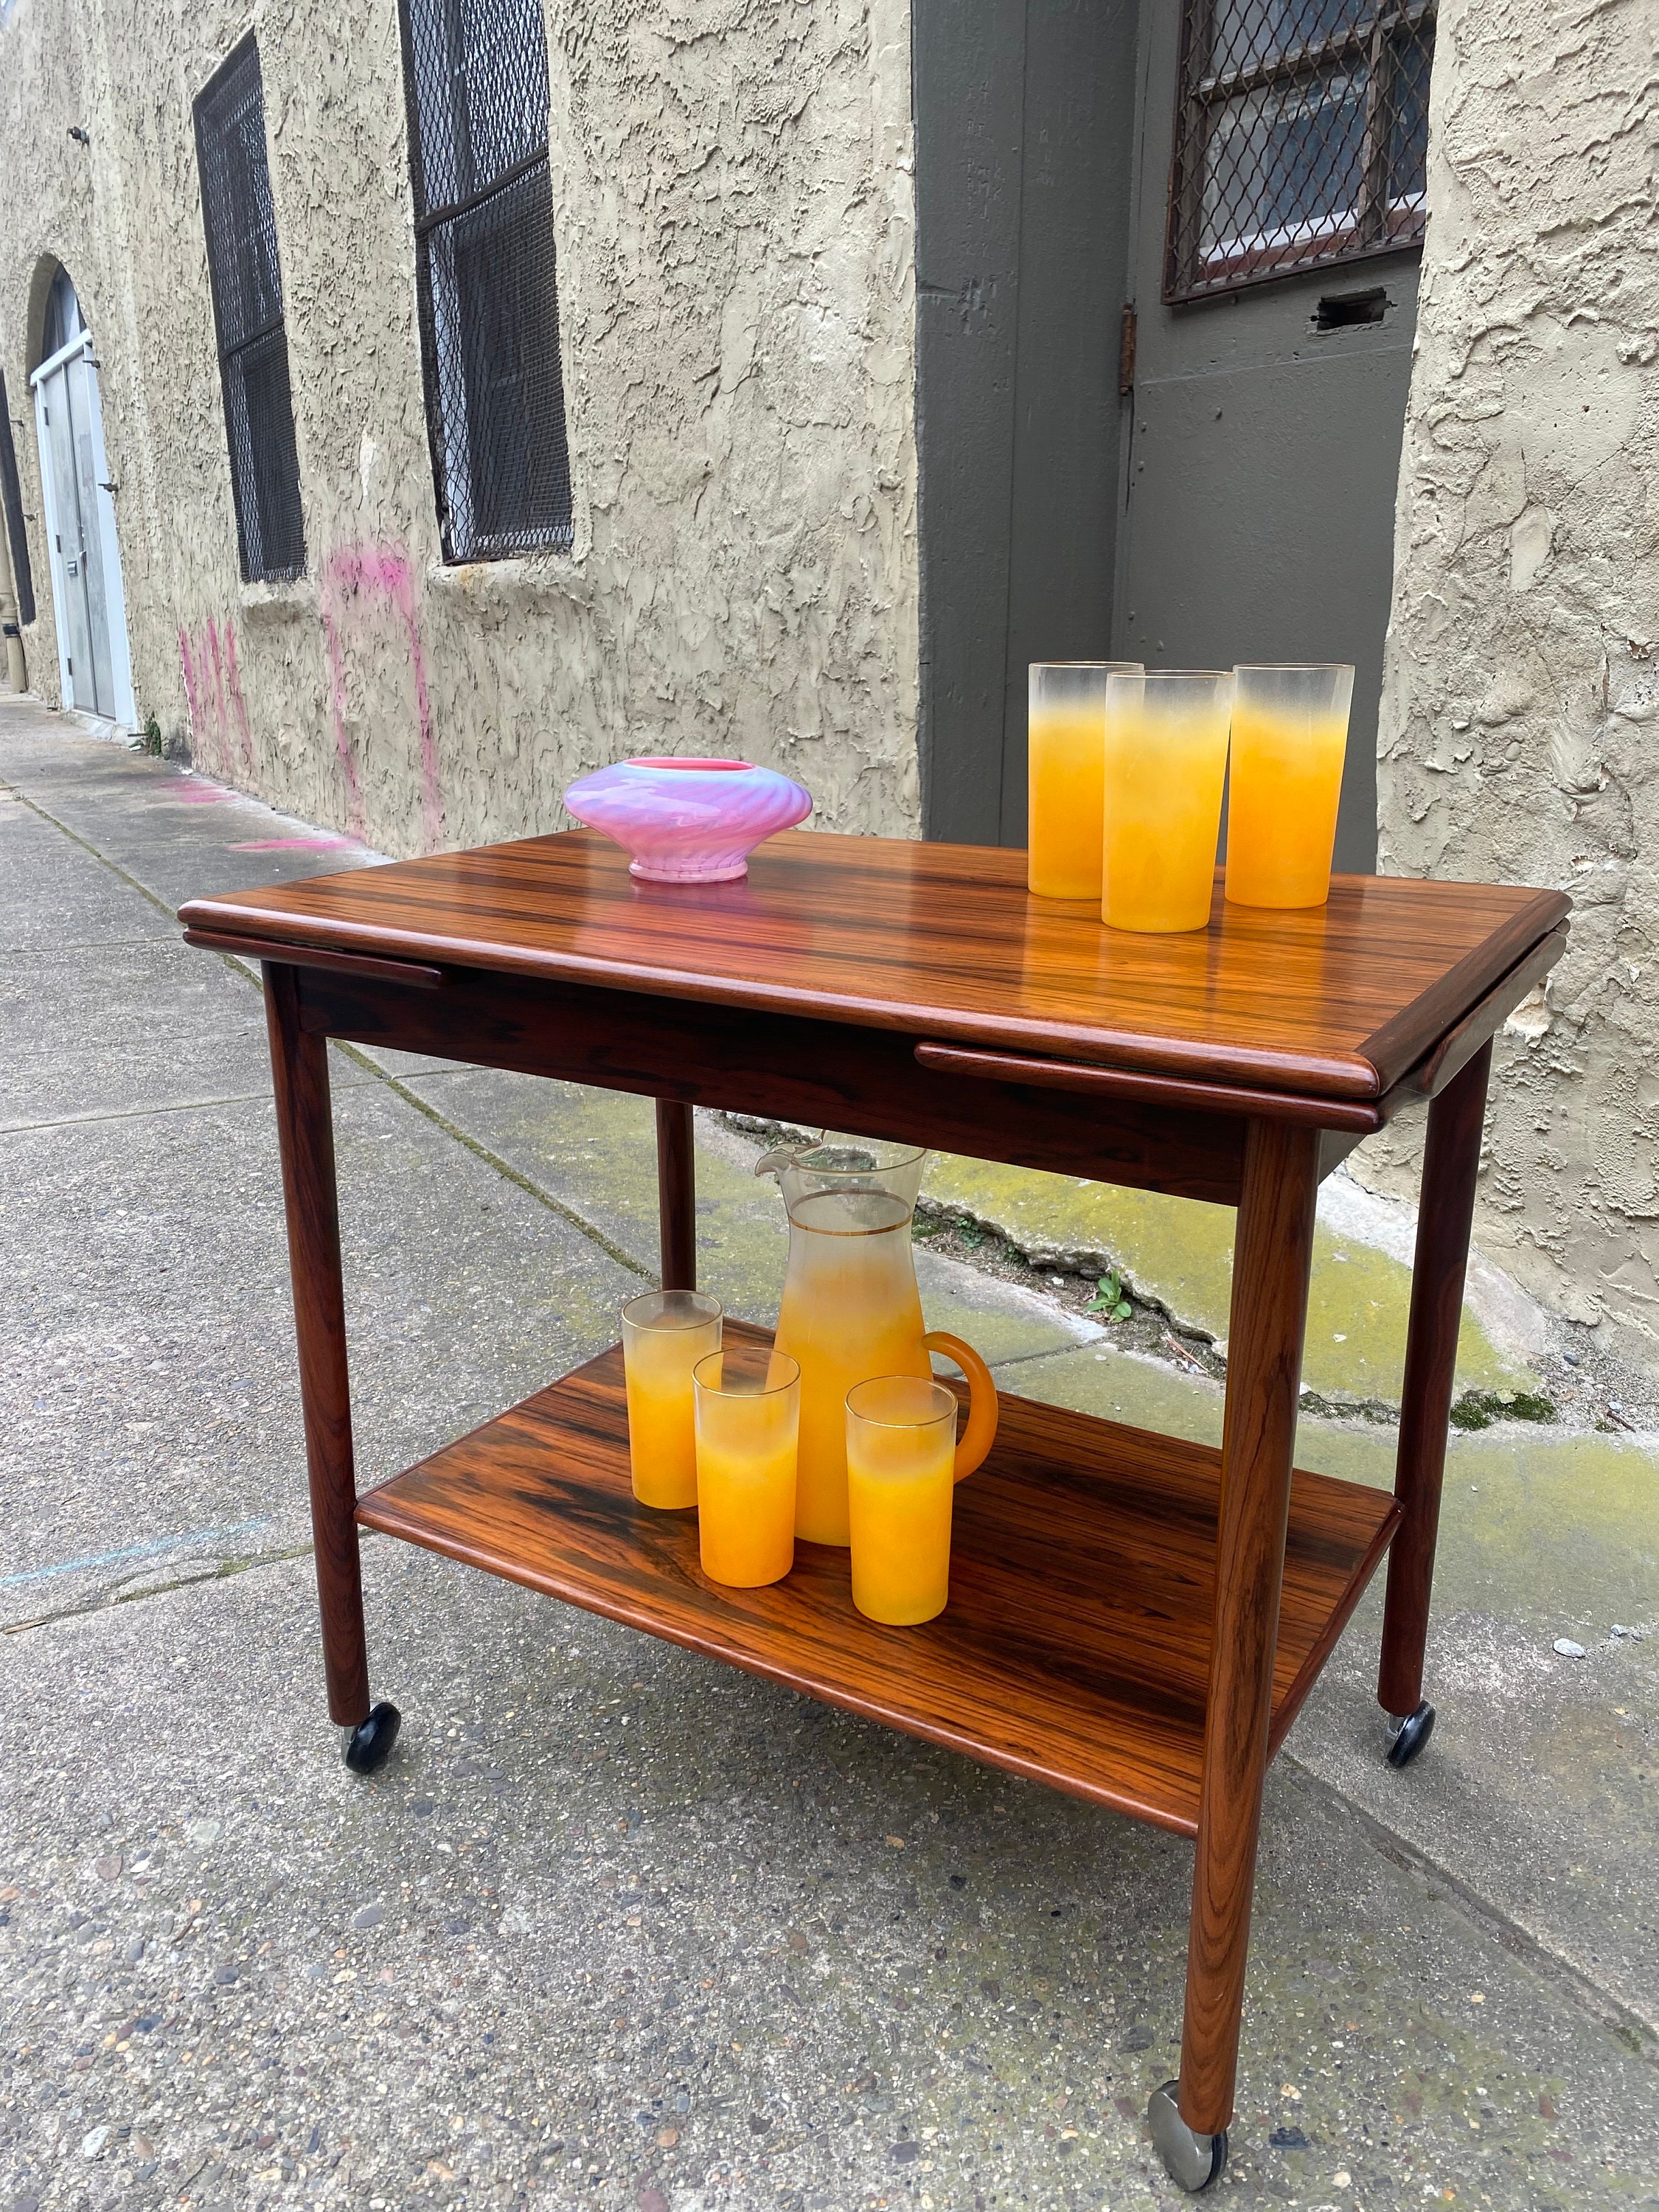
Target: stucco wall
pixel 1519 728
pixel 734 207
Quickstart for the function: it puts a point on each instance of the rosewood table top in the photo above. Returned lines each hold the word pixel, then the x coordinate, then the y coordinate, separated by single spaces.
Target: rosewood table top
pixel 1339 1001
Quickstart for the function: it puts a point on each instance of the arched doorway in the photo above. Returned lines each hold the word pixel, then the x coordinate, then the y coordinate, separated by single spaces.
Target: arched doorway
pixel 92 660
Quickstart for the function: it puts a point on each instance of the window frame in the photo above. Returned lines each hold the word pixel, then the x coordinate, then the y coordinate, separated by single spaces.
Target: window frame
pixel 454 403
pixel 264 467
pixel 1377 224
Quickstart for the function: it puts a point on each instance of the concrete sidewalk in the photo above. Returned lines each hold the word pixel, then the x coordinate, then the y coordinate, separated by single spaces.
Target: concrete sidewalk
pixel 616 1927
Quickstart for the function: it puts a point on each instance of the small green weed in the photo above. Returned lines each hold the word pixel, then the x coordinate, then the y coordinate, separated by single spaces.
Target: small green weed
pixel 1109 1298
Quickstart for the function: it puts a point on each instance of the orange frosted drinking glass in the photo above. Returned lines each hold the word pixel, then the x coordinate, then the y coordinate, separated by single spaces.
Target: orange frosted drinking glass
pixel 1165 763
pixel 1289 739
pixel 664 1334
pixel 904 1463
pixel 1066 738
pixel 901 1480
pixel 748 1420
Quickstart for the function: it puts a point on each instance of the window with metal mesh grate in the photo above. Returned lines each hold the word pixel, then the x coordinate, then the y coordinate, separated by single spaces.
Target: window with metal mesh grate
pixel 475 73
pixel 1301 138
pixel 245 273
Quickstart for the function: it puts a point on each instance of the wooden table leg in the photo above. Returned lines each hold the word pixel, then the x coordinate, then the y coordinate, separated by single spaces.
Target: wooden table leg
pixel 305 1131
pixel 677 1196
pixel 1273 1251
pixel 1451 1162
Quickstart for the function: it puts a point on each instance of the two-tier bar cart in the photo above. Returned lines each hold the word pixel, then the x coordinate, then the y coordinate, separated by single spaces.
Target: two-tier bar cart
pixel 1132 1619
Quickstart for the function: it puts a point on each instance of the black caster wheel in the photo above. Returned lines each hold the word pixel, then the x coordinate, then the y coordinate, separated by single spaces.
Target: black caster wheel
pixel 369 1747
pixel 1408 1733
pixel 1191 2161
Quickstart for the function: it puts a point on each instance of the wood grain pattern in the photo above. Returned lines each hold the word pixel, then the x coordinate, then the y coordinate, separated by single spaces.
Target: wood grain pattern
pixel 819 1073
pixel 677 1196
pixel 1076 1646
pixel 1458 1047
pixel 1272 1253
pixel 1359 1116
pixel 1451 1165
pixel 943 941
pixel 408 973
pixel 1355 1116
pixel 305 1132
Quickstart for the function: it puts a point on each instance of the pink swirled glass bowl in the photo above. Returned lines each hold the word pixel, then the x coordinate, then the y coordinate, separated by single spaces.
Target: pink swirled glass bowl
pixel 688 820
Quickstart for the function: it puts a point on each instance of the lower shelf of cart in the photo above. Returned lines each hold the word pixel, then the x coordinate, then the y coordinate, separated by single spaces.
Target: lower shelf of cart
pixel 1076 1646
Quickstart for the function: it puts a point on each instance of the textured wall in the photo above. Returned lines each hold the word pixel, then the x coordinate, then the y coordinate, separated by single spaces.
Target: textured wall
pixel 733 205
pixel 1520 734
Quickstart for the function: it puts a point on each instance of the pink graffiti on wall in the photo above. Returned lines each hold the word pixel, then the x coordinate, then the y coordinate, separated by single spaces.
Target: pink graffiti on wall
pixel 336 653
pixel 359 579
pixel 192 689
pixel 220 733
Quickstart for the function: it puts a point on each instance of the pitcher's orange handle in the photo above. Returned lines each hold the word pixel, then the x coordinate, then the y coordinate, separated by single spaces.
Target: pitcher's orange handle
pixel 980 1432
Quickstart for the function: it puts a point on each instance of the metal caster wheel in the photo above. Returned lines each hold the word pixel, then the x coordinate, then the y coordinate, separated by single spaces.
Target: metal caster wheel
pixel 1408 1733
pixel 369 1747
pixel 1191 2161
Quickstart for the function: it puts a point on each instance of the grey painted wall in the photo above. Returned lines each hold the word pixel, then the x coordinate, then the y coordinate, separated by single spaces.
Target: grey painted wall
pixel 1024 119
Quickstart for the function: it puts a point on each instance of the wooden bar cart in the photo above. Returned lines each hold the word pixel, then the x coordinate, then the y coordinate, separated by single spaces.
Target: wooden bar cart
pixel 1132 1619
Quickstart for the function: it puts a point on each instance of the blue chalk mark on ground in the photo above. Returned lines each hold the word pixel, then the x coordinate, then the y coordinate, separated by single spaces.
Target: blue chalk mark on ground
pixel 193 1540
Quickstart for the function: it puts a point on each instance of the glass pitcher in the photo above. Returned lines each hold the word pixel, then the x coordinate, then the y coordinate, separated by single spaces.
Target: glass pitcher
pixel 851 1308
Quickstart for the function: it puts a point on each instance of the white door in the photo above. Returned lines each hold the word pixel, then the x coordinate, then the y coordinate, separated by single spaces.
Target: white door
pixel 86 568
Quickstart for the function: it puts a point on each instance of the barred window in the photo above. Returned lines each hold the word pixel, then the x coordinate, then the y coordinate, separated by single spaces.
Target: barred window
pixel 11 498
pixel 475 76
pixel 1301 137
pixel 247 278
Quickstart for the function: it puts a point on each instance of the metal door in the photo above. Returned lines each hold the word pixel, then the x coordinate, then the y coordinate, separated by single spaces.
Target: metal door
pixel 1265 410
pixel 81 533
pixel 1025 126
pixel 69 543
pixel 81 391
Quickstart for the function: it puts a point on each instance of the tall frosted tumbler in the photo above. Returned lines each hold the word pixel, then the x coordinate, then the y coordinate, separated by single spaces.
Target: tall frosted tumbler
pixel 1066 734
pixel 748 1422
pixel 1165 764
pixel 664 1334
pixel 1290 740
pixel 901 1479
